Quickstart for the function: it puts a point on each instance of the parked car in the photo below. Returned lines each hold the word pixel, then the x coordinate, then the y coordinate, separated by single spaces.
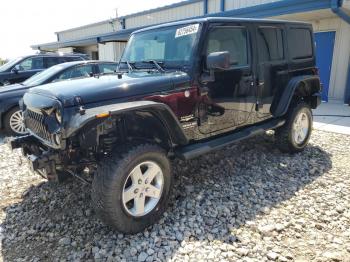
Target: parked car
pixel 187 88
pixel 21 68
pixel 11 118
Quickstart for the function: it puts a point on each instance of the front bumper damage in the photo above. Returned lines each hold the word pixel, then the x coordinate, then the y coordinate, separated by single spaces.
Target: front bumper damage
pixel 41 159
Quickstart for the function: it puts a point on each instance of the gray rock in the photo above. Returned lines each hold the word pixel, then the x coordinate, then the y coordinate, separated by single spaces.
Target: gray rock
pixel 272 255
pixel 142 257
pixel 65 241
pixel 133 251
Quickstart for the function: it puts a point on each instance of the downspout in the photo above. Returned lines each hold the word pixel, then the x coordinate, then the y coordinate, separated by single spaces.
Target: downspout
pixel 347 86
pixel 205 6
pixel 336 6
pixel 222 5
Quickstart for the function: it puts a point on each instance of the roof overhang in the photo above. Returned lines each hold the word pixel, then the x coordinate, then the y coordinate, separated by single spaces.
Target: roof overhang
pixel 74 43
pixel 120 36
pixel 282 8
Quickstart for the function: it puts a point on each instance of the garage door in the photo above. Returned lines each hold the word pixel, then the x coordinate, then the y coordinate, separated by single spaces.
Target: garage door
pixel 324 56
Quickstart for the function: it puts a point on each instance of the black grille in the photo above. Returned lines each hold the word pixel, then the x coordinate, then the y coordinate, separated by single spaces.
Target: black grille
pixel 35 122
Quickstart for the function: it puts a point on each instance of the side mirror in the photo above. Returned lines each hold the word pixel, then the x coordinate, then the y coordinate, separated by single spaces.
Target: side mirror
pixel 218 60
pixel 15 69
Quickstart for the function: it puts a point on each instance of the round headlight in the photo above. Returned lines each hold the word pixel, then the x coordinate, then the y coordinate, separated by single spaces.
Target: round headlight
pixel 58 116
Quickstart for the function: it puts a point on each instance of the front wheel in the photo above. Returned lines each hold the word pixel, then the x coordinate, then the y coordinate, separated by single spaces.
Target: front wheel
pixel 13 122
pixel 295 134
pixel 131 189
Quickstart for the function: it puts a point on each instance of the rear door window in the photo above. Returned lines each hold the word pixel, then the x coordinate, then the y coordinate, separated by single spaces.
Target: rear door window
pixel 270 40
pixel 50 61
pixel 300 43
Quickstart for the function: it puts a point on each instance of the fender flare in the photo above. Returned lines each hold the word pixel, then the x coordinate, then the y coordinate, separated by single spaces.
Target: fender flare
pixel 310 86
pixel 159 110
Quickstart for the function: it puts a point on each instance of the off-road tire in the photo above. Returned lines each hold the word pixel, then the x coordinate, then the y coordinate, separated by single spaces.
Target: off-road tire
pixel 7 127
pixel 283 135
pixel 108 185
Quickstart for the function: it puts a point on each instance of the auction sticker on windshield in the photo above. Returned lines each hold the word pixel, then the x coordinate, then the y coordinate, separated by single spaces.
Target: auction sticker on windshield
pixel 187 30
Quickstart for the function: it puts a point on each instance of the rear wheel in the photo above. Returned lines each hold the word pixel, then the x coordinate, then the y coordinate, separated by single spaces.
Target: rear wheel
pixel 13 122
pixel 295 134
pixel 131 189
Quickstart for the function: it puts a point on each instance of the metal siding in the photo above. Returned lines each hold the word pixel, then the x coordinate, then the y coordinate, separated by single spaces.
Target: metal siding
pixel 213 6
pixel 177 13
pixel 119 50
pixel 106 51
pixel 66 50
pixel 236 4
pixel 88 31
pixel 111 51
pixel 341 62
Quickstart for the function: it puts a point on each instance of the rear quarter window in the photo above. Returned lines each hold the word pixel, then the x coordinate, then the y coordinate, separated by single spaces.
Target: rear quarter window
pixel 300 43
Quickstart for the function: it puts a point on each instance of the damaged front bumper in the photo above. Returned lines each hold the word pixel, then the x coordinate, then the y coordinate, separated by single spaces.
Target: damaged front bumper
pixel 41 159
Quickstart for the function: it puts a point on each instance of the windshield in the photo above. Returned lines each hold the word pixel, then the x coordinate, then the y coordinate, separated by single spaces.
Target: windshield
pixel 41 77
pixel 10 64
pixel 170 46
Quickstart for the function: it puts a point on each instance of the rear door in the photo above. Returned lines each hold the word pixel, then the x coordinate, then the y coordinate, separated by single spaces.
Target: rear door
pixel 272 66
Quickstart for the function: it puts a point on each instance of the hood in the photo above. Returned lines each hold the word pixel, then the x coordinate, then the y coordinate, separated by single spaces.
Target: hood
pixel 108 87
pixel 12 88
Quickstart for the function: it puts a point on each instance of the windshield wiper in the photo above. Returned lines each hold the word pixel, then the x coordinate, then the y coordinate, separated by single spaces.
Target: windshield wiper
pixel 129 64
pixel 157 64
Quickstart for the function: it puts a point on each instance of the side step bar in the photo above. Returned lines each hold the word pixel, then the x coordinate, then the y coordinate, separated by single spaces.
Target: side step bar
pixel 194 150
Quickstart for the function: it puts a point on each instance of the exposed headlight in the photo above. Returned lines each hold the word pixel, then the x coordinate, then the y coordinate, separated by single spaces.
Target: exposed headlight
pixel 58 116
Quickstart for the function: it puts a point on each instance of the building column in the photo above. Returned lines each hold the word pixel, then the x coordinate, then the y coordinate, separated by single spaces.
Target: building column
pixel 222 5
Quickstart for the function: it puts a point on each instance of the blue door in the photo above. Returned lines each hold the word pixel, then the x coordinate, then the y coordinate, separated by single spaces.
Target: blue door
pixel 324 57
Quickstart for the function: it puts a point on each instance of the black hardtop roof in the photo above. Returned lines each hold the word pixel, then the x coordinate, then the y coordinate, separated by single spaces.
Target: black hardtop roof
pixel 222 19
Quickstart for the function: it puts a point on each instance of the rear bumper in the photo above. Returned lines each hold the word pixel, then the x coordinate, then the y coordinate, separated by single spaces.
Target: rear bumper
pixel 39 159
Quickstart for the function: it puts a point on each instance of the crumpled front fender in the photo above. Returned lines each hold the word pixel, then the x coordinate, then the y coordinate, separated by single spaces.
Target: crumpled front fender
pixel 159 110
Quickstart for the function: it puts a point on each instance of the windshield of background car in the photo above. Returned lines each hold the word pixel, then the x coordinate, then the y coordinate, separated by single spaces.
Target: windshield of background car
pixel 171 46
pixel 43 76
pixel 10 64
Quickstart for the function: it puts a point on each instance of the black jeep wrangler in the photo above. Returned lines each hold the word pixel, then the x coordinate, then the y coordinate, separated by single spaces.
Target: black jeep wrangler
pixel 182 90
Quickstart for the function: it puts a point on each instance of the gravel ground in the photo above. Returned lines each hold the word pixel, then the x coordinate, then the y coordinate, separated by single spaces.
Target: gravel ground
pixel 247 202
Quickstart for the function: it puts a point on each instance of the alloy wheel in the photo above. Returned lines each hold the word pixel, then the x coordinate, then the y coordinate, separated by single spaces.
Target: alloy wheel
pixel 143 189
pixel 301 128
pixel 17 123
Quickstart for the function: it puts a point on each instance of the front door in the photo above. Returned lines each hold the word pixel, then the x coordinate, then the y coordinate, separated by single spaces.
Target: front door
pixel 230 99
pixel 324 57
